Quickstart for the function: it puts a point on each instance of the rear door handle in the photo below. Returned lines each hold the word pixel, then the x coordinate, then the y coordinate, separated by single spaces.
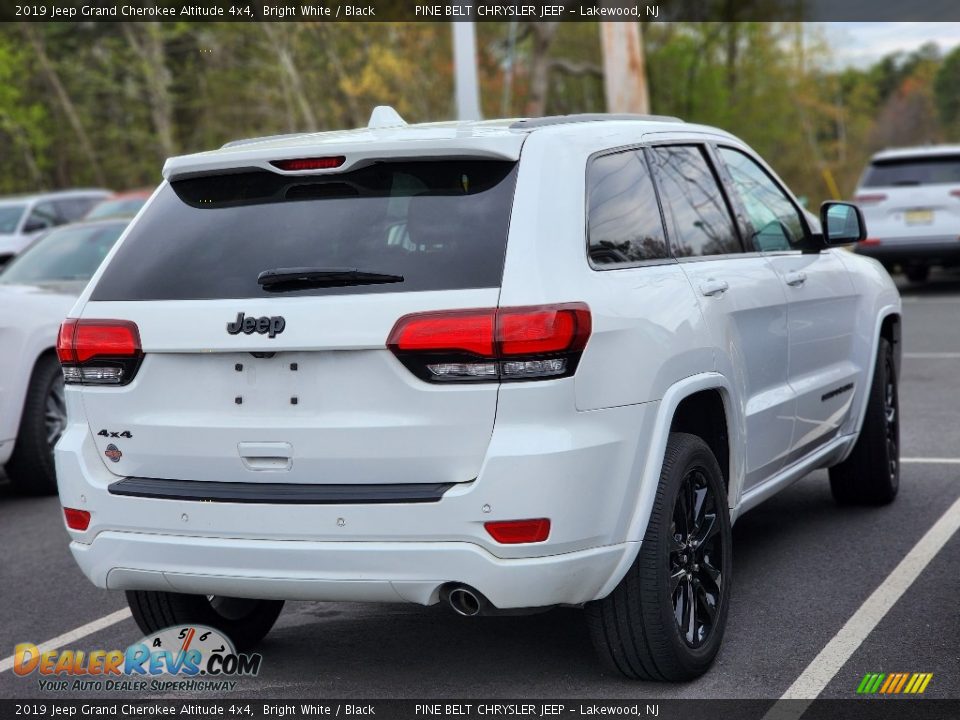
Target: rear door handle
pixel 711 288
pixel 795 278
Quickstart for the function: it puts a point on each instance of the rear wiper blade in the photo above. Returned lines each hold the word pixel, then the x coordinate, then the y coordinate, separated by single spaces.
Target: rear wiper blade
pixel 298 278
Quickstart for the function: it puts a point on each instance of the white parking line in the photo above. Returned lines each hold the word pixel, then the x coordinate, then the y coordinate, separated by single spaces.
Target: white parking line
pixel 839 650
pixel 74 635
pixel 932 460
pixel 930 300
pixel 932 355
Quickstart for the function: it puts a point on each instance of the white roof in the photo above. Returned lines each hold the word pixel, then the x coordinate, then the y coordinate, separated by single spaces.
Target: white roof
pixel 920 151
pixel 52 195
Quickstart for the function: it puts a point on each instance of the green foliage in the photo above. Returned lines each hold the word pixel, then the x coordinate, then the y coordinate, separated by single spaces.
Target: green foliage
pixel 134 93
pixel 947 89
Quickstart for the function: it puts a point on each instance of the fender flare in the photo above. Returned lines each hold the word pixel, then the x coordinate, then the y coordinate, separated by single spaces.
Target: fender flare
pixel 653 462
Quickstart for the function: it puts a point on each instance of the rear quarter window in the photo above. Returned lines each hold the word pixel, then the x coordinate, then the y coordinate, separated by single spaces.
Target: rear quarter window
pixel 442 225
pixel 624 226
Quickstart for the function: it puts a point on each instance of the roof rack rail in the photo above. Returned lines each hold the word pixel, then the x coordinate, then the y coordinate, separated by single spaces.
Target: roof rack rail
pixel 533 123
pixel 263 138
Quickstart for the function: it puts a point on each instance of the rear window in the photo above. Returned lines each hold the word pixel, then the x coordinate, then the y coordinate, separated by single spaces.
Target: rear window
pixel 939 170
pixel 442 225
pixel 70 253
pixel 109 208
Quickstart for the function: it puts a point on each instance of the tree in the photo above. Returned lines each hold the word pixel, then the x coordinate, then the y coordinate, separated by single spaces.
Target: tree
pixel 946 87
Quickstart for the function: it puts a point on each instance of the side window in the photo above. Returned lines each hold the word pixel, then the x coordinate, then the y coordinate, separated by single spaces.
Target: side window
pixel 43 216
pixel 701 221
pixel 624 225
pixel 776 221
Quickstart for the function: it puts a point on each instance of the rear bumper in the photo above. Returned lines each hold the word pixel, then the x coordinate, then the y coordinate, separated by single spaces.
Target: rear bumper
pixel 929 251
pixel 580 469
pixel 350 571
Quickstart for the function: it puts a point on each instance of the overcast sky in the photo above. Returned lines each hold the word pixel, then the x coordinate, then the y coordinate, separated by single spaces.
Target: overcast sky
pixel 863 43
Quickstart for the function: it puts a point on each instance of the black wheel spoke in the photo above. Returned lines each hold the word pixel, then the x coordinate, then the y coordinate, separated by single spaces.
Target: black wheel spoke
pixel 691 613
pixel 710 578
pixel 704 603
pixel 681 513
pixel 675 579
pixel 708 530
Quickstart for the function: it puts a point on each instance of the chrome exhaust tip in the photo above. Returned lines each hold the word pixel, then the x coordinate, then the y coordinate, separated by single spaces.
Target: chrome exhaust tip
pixel 464 601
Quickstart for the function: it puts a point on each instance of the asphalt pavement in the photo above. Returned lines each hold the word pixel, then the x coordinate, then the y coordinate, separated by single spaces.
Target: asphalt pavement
pixel 802 568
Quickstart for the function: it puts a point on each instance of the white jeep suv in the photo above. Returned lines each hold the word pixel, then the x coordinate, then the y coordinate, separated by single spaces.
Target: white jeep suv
pixel 502 365
pixel 911 200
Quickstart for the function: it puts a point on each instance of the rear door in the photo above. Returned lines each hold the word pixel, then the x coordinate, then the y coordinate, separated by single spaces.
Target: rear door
pixel 741 298
pixel 294 383
pixel 821 302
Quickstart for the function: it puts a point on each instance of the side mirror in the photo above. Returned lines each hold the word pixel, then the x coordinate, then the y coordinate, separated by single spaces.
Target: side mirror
pixel 842 223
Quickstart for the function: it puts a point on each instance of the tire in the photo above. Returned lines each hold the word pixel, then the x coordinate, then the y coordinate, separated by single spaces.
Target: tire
pixel 31 468
pixel 635 629
pixel 917 273
pixel 245 622
pixel 871 473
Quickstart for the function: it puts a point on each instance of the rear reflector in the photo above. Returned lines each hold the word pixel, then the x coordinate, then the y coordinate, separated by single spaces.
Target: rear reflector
pixel 513 532
pixel 955 193
pixel 867 199
pixel 76 519
pixel 321 163
pixel 521 343
pixel 101 352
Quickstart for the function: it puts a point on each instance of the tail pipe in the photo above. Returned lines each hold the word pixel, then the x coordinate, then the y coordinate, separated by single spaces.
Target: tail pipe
pixel 464 600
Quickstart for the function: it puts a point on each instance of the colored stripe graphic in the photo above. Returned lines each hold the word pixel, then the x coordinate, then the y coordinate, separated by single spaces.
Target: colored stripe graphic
pixel 894 683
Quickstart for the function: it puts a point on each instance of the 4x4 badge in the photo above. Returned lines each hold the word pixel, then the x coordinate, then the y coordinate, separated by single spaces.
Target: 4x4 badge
pixel 264 325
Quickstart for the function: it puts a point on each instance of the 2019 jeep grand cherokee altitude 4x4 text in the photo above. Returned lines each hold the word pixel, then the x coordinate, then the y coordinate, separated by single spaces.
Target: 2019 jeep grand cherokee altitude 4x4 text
pixel 500 365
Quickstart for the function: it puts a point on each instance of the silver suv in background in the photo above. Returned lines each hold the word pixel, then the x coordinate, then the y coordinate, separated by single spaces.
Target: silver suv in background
pixel 23 217
pixel 911 201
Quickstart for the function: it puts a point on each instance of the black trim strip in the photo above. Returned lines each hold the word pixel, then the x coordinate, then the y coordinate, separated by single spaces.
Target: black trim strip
pixel 279 493
pixel 838 391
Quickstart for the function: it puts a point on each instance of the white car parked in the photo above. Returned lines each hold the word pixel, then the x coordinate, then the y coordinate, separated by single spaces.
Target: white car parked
pixel 911 201
pixel 501 365
pixel 24 217
pixel 37 291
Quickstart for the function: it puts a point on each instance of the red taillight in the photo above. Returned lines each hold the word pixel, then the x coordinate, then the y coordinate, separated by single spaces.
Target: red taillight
pixel 103 352
pixel 512 532
pixel 321 163
pixel 955 193
pixel 468 331
pixel 870 241
pixel 545 329
pixel 111 338
pixel 522 343
pixel 867 199
pixel 65 349
pixel 76 519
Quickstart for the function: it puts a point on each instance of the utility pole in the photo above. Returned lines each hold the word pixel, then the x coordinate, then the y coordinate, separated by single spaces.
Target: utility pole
pixel 624 70
pixel 465 71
